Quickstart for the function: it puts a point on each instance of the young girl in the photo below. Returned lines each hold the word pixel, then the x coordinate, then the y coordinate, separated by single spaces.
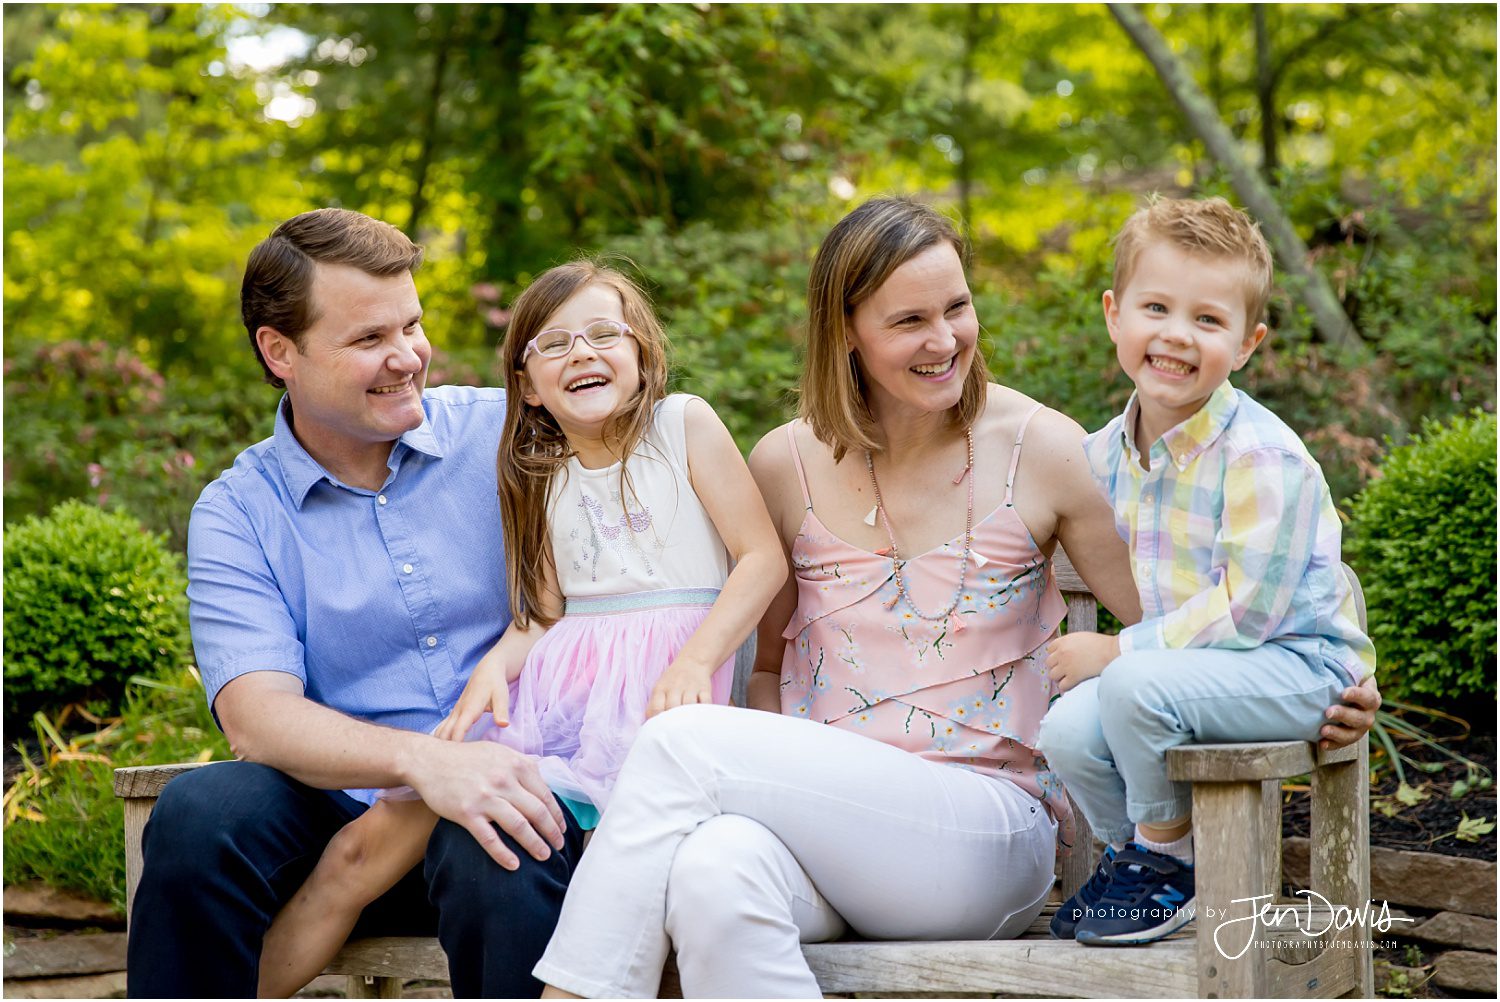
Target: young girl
pixel 623 510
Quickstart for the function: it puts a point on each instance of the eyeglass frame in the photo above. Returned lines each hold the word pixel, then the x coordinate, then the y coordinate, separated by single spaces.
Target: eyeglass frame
pixel 531 346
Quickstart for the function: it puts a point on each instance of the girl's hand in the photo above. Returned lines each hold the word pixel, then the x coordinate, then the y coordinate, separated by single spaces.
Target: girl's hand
pixel 680 685
pixel 488 689
pixel 1078 656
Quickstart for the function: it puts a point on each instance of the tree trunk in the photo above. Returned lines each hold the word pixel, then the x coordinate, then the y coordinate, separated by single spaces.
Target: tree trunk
pixel 1265 94
pixel 965 123
pixel 1332 323
pixel 509 156
pixel 430 123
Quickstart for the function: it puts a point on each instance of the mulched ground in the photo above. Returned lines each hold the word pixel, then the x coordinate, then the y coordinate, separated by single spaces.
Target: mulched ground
pixel 1432 824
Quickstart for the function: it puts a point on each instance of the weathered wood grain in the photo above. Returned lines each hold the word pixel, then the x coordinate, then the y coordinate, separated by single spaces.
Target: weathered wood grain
pixel 1227 763
pixel 366 987
pixel 1012 967
pixel 1340 837
pixel 392 957
pixel 137 813
pixel 149 780
pixel 1229 822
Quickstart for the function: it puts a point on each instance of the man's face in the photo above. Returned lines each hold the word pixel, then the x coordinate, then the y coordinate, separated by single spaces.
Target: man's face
pixel 358 378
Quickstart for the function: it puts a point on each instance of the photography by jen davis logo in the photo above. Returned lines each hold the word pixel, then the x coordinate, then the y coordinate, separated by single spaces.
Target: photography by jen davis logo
pixel 1312 919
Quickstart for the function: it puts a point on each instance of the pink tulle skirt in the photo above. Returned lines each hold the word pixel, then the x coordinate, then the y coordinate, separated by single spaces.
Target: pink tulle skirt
pixel 582 694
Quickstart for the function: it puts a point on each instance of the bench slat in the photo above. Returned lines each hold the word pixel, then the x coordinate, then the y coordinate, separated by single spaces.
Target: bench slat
pixel 1230 763
pixel 1038 967
pixel 148 780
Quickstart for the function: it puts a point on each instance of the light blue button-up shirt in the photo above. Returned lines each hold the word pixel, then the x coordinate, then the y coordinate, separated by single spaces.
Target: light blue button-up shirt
pixel 379 602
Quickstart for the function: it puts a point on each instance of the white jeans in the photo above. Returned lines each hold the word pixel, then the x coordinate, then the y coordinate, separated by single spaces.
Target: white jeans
pixel 735 834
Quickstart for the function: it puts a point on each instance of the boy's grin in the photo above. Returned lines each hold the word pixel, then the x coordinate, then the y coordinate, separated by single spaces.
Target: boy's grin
pixel 1179 328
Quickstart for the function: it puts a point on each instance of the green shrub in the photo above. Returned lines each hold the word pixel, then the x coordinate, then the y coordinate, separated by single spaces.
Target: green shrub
pixel 63 824
pixel 91 599
pixel 1423 541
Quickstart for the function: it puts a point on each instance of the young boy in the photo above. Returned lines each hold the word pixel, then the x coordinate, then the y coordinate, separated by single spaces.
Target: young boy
pixel 1249 628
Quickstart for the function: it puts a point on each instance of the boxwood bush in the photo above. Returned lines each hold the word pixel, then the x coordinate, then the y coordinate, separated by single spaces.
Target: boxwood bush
pixel 91 598
pixel 1423 541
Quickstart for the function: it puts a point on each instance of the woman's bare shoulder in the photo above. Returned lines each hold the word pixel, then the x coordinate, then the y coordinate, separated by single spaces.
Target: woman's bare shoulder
pixel 1006 408
pixel 772 455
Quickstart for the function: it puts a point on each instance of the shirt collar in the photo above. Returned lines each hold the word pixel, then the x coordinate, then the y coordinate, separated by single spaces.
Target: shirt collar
pixel 1186 441
pixel 301 471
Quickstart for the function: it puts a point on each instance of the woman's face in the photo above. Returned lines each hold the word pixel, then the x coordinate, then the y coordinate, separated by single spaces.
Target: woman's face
pixel 915 338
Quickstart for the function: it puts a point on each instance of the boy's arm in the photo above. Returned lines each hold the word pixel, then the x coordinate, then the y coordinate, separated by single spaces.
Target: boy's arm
pixel 1273 500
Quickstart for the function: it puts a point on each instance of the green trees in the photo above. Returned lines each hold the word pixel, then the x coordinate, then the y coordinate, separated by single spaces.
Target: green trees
pixel 148 147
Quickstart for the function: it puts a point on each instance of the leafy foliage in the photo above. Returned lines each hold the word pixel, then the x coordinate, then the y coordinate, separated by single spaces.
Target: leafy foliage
pixel 732 303
pixel 63 823
pixel 90 600
pixel 1423 540
pixel 88 419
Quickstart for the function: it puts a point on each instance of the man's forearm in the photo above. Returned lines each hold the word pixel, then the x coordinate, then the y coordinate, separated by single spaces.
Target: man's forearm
pixel 276 725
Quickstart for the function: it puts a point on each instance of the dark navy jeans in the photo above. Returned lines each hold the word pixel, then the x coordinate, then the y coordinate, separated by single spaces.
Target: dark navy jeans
pixel 228 845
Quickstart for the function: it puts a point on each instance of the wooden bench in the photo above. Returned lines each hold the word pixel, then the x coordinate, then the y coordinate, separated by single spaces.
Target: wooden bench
pixel 1237 836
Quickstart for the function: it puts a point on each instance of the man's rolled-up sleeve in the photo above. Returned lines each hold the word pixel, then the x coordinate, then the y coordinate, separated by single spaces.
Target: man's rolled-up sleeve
pixel 239 616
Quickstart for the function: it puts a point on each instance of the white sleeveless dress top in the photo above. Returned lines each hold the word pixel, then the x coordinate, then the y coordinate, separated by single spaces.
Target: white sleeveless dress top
pixel 647 533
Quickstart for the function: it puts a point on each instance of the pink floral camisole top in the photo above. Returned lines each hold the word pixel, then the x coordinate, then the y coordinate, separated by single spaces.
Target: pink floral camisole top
pixel 968 691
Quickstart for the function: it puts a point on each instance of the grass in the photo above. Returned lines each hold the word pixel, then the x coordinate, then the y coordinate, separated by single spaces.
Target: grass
pixel 63 824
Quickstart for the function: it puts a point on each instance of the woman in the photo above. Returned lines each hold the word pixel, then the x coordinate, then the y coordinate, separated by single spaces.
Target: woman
pixel 920 506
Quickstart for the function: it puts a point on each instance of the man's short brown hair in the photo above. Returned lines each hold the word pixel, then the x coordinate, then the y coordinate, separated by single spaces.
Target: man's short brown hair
pixel 277 290
pixel 1206 227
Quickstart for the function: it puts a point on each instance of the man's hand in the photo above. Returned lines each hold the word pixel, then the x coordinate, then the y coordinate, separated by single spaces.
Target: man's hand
pixel 480 784
pixel 1075 657
pixel 1349 722
pixel 680 685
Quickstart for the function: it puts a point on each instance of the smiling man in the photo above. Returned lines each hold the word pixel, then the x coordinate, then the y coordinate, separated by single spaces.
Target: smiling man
pixel 345 575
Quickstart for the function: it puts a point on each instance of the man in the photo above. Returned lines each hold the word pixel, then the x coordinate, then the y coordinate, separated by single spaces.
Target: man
pixel 345 575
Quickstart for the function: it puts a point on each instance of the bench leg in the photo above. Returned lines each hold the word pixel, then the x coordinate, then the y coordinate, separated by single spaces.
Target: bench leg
pixel 1340 864
pixel 1230 831
pixel 364 986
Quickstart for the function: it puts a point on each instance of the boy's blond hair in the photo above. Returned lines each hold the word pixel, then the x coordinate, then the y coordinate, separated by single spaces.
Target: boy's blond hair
pixel 1208 227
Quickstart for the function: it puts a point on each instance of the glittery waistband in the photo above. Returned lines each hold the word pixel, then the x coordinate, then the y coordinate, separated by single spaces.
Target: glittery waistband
pixel 663 598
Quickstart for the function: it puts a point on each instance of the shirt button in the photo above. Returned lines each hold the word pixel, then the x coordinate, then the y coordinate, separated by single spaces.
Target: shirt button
pixel 432 641
pixel 406 568
pixel 380 498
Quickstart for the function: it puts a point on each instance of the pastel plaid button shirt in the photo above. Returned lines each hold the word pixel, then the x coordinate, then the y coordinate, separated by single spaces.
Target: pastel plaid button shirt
pixel 1234 540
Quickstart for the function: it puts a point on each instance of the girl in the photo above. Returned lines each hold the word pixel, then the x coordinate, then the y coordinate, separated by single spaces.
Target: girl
pixel 623 510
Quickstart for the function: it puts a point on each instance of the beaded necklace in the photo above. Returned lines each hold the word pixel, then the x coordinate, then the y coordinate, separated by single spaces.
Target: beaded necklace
pixel 963 568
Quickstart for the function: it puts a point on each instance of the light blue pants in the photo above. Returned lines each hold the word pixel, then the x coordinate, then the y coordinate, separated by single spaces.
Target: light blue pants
pixel 1107 738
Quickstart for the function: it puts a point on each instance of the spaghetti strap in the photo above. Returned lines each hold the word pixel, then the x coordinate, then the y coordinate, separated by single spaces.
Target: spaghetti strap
pixel 1015 452
pixel 791 438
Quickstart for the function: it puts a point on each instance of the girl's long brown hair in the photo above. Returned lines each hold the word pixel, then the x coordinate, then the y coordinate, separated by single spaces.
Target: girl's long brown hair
pixel 533 448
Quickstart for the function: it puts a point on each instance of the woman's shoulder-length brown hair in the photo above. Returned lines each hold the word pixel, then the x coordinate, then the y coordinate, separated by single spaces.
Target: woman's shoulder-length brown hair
pixel 859 254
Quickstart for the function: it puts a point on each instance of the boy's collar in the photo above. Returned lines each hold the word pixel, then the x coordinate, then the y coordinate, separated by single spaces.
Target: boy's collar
pixel 1184 442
